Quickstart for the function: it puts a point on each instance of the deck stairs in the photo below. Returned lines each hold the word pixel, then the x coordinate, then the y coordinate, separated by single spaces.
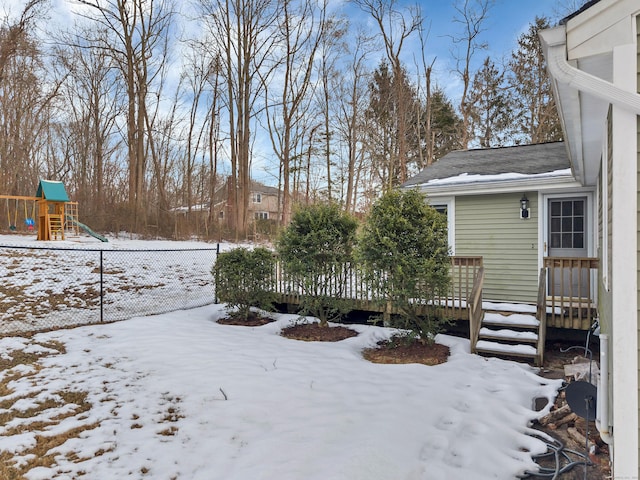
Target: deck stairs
pixel 509 330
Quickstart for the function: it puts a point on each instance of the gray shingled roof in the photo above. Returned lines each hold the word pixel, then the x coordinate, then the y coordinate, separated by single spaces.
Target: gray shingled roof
pixel 524 159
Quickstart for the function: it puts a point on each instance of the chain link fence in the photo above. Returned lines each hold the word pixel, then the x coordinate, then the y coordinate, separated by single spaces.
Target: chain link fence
pixel 44 288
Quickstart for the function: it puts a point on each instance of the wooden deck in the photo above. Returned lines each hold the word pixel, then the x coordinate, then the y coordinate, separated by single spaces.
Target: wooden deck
pixel 570 291
pixel 565 304
pixel 347 281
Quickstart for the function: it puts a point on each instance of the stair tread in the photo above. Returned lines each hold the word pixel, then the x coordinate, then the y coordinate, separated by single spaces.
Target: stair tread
pixel 501 348
pixel 515 319
pixel 509 307
pixel 510 335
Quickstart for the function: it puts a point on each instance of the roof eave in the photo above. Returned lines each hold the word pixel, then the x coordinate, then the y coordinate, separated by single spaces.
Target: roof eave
pixel 499 186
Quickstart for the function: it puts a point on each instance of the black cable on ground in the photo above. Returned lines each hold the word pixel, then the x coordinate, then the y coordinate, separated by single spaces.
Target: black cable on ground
pixel 564 460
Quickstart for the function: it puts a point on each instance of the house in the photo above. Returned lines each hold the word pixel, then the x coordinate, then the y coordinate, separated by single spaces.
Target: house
pixel 264 202
pixel 516 207
pixel 592 57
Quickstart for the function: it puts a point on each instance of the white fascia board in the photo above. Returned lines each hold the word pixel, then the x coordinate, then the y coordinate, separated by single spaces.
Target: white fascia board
pixel 600 27
pixel 505 186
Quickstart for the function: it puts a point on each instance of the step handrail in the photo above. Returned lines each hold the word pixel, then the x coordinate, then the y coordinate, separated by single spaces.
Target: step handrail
pixel 541 315
pixel 474 305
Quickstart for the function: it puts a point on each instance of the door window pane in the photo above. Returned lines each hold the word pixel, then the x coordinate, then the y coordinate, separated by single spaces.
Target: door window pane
pixel 566 224
pixel 578 207
pixel 578 223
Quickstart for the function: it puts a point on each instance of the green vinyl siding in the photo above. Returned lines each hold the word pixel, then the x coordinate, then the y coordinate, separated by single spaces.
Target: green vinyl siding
pixel 604 291
pixel 490 225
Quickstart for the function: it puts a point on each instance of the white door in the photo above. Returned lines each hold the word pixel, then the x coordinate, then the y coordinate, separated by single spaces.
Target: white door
pixel 567 237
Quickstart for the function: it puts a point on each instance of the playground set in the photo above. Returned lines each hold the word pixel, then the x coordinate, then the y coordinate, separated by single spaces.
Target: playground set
pixel 50 213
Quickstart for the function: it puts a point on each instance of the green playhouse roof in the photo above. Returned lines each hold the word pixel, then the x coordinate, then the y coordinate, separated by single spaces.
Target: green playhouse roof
pixel 52 191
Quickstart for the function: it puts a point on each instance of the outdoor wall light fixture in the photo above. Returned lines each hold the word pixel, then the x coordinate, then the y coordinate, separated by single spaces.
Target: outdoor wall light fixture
pixel 524 207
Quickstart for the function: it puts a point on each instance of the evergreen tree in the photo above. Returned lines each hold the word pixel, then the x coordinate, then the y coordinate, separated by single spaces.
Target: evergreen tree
pixel 314 250
pixel 445 125
pixel 404 255
pixel 388 93
pixel 490 109
pixel 535 116
pixel 241 276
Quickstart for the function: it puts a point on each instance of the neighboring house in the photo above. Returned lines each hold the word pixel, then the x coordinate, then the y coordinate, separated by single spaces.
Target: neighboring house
pixel 593 59
pixel 482 191
pixel 263 203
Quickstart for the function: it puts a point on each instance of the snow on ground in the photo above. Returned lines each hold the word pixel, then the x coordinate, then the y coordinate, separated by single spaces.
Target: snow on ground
pixel 42 288
pixel 179 396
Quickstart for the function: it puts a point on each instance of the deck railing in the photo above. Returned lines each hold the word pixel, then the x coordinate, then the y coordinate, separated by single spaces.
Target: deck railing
pixel 347 281
pixel 570 293
pixel 476 312
pixel 541 314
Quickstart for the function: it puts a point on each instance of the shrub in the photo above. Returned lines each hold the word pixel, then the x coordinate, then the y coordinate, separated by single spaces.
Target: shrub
pixel 405 257
pixel 315 251
pixel 243 280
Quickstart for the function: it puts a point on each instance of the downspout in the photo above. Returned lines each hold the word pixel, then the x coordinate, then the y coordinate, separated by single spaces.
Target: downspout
pixel 563 72
pixel 602 404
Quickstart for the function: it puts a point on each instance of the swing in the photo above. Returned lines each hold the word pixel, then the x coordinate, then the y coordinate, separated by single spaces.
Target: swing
pixel 12 226
pixel 29 221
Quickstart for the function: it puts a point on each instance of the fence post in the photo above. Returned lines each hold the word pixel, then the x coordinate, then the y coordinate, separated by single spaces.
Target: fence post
pixel 215 277
pixel 101 289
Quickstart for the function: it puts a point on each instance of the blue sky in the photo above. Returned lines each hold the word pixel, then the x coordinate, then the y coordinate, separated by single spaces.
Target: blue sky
pixel 507 20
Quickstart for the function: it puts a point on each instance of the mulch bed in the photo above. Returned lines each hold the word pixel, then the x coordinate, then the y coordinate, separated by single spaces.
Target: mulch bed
pixel 407 351
pixel 252 321
pixel 313 332
pixel 395 350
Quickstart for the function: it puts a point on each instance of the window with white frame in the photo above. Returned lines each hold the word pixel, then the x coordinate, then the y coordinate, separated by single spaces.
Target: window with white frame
pixel 446 206
pixel 256 198
pixel 261 215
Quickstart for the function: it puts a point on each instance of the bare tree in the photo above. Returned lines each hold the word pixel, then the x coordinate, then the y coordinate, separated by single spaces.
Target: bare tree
pixel 13 34
pixel 352 96
pixel 471 15
pixel 243 32
pixel 395 28
pixel 91 94
pixel 302 26
pixel 423 125
pixel 331 48
pixel 27 95
pixel 132 31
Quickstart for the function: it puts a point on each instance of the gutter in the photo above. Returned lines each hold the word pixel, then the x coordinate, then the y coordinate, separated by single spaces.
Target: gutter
pixel 500 186
pixel 556 53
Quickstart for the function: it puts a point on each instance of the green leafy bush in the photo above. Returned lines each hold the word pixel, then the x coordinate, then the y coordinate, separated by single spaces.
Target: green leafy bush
pixel 315 252
pixel 243 280
pixel 405 258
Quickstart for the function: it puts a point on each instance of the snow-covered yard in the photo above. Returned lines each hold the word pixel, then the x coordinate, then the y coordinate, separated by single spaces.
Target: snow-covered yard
pixel 54 284
pixel 178 396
